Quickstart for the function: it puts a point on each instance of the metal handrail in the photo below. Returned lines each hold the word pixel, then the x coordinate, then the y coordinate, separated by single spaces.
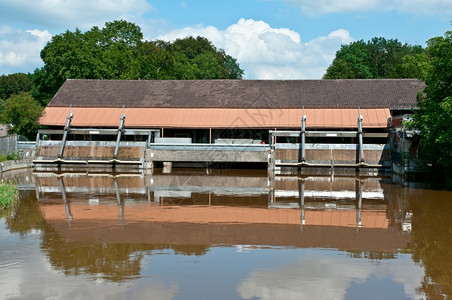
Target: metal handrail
pixel 197 146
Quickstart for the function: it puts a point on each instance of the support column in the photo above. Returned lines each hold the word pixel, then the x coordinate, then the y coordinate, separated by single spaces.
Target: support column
pixel 360 137
pixel 303 137
pixel 118 138
pixel 167 167
pixel 67 129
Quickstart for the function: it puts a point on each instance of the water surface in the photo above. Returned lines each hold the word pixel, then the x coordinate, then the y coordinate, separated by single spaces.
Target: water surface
pixel 237 234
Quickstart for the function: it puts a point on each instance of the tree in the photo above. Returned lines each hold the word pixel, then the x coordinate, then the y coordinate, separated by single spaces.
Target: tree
pixel 434 117
pixel 416 66
pixel 378 58
pixel 118 51
pixel 107 53
pixel 233 67
pixel 21 111
pixel 350 62
pixel 13 84
pixel 204 59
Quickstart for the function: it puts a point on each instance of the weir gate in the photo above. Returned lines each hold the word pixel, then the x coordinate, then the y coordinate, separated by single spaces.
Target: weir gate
pixel 73 153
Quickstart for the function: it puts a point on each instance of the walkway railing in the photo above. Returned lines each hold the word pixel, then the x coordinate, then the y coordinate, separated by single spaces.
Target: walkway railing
pixel 210 147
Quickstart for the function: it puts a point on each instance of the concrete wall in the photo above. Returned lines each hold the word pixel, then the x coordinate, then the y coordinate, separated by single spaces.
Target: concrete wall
pixel 206 156
pixel 8 144
pixel 338 153
pixel 92 150
pixel 15 164
pixel 173 140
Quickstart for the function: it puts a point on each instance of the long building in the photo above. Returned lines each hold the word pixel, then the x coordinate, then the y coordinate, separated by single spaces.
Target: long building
pixel 241 111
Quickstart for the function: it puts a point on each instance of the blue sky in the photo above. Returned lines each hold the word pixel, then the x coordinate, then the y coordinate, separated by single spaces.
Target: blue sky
pixel 272 39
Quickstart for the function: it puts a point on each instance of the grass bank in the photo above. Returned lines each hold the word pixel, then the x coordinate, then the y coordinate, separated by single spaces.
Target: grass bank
pixel 8 194
pixel 9 156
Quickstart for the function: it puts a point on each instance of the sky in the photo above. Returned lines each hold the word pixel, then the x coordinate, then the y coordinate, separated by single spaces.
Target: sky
pixel 271 39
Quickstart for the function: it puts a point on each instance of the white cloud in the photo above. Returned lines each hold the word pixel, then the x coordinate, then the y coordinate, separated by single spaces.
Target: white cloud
pixel 326 277
pixel 424 7
pixel 270 53
pixel 19 50
pixel 81 13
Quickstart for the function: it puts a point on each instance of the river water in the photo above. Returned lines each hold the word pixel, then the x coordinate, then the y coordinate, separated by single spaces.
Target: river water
pixel 224 234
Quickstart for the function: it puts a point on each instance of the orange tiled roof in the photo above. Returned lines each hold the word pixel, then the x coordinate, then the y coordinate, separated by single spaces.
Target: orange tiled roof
pixel 215 117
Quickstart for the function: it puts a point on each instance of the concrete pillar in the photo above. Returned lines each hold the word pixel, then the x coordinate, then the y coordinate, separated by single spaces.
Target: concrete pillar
pixel 167 167
pixel 148 159
pixel 271 162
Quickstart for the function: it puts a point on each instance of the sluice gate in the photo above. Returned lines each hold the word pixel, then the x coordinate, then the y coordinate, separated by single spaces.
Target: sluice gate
pixel 142 148
pixel 85 153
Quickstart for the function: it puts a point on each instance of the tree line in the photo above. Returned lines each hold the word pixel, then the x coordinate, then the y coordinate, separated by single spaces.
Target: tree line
pixel 379 58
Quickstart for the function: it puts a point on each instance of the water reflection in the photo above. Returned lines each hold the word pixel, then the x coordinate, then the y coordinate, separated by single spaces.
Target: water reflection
pixel 198 209
pixel 127 227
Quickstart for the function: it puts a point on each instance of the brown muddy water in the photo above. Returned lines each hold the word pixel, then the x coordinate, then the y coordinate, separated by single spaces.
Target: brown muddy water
pixel 236 234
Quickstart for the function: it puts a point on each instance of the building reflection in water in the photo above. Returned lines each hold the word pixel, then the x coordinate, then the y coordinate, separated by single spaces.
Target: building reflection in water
pixel 192 208
pixel 104 225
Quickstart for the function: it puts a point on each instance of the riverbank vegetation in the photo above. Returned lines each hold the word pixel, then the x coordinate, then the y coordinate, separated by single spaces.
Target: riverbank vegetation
pixel 9 156
pixel 9 195
pixel 433 118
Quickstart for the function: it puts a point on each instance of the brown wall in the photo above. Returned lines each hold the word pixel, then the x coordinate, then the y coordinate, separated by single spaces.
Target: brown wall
pixel 92 152
pixel 336 155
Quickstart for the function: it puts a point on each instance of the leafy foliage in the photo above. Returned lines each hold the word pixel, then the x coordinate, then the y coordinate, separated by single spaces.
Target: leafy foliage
pixel 13 84
pixel 21 111
pixel 9 156
pixel 118 51
pixel 378 58
pixel 8 194
pixel 434 116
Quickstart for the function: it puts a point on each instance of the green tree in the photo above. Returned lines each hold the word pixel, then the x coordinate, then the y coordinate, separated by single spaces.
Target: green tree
pixel 416 66
pixel 434 116
pixel 378 58
pixel 13 84
pixel 107 53
pixel 118 51
pixel 350 62
pixel 21 111
pixel 233 67
pixel 202 60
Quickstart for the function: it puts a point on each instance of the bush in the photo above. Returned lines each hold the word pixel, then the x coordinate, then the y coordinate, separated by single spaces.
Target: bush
pixel 8 195
pixel 10 156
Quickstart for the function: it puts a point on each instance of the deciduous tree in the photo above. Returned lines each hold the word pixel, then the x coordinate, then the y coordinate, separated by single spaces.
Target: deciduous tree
pixel 13 84
pixel 434 117
pixel 118 51
pixel 378 58
pixel 21 111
